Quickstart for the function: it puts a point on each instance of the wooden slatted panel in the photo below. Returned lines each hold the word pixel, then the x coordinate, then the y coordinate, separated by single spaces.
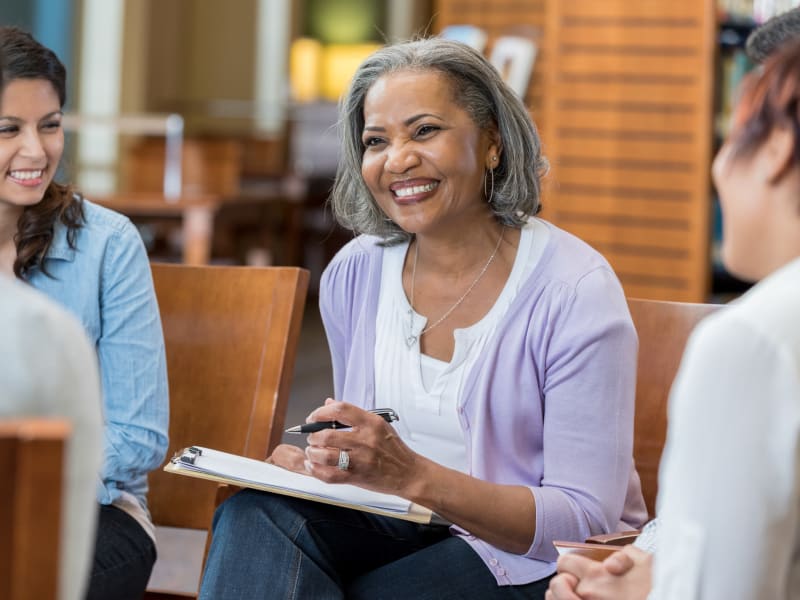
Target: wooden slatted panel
pixel 628 133
pixel 503 17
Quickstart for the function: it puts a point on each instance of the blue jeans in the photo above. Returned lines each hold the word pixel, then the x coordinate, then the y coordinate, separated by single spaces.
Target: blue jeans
pixel 272 546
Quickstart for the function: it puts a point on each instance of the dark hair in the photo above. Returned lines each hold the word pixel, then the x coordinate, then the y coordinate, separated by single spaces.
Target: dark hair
pixel 766 38
pixel 769 98
pixel 22 57
pixel 481 92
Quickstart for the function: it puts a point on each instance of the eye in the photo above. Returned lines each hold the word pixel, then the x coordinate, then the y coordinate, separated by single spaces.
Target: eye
pixel 8 129
pixel 371 142
pixel 51 125
pixel 426 130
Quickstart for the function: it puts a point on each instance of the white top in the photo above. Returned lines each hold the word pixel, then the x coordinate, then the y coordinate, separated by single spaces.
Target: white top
pixel 48 369
pixel 647 539
pixel 425 391
pixel 128 503
pixel 729 501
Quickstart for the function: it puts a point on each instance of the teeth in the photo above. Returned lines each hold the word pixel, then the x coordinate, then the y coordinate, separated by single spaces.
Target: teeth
pixel 25 175
pixel 416 189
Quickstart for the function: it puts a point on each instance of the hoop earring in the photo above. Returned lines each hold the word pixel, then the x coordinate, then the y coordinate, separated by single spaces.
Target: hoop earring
pixel 490 194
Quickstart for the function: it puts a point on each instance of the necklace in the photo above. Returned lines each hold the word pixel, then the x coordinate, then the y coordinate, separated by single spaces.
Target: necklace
pixel 412 339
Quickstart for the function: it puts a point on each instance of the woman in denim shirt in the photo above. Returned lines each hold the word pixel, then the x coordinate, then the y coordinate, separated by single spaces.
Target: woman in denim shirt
pixel 91 261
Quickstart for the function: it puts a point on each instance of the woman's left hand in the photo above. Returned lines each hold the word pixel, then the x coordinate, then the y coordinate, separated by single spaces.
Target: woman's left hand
pixel 378 458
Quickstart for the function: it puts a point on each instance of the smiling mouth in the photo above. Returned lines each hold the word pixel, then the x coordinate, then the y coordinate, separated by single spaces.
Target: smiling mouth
pixel 406 192
pixel 26 176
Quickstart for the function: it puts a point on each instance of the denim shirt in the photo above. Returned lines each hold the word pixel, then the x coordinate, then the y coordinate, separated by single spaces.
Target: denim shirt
pixel 106 282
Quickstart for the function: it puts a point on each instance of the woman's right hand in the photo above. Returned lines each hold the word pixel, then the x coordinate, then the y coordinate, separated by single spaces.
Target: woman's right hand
pixel 289 457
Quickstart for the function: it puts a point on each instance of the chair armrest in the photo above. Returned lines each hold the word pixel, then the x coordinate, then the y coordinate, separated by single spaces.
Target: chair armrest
pixel 618 538
pixel 597 552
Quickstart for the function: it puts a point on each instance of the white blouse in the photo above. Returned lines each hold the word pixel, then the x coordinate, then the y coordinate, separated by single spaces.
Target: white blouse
pixel 424 391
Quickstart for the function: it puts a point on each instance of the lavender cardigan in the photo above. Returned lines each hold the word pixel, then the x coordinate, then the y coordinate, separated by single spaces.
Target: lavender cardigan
pixel 549 407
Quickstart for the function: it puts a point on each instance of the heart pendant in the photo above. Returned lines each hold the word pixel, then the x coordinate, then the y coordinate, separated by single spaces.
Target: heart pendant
pixel 410 340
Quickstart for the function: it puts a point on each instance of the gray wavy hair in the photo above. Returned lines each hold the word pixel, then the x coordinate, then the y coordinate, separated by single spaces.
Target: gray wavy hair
pixel 480 91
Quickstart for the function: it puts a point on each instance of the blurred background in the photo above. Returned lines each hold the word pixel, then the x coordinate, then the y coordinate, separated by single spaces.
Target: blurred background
pixel 213 124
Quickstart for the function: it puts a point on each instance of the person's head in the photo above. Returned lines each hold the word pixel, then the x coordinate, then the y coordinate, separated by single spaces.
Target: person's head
pixel 772 34
pixel 757 170
pixel 436 114
pixel 32 95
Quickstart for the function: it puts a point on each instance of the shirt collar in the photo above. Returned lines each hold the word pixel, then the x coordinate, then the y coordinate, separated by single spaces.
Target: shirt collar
pixel 59 248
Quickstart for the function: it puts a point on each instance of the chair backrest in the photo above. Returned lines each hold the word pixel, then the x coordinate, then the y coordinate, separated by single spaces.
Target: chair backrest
pixel 231 337
pixel 31 468
pixel 663 329
pixel 208 166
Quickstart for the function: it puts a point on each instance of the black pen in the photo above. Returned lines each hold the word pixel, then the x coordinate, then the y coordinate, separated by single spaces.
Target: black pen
pixel 387 413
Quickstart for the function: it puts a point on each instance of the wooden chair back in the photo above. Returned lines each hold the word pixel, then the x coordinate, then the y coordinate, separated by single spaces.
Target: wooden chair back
pixel 31 468
pixel 663 329
pixel 231 337
pixel 209 165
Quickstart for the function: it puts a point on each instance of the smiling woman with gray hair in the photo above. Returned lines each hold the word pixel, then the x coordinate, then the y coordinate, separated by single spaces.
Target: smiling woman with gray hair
pixel 504 344
pixel 516 177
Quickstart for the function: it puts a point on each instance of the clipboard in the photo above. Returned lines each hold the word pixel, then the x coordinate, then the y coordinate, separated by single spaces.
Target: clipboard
pixel 223 467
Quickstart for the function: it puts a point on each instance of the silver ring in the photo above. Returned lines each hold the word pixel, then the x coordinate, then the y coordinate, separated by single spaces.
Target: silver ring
pixel 344 460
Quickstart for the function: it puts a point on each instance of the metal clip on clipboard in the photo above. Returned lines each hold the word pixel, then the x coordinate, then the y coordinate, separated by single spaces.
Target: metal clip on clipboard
pixel 187 455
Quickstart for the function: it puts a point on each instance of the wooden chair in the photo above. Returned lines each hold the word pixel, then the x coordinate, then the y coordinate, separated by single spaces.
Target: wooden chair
pixel 663 329
pixel 31 466
pixel 231 337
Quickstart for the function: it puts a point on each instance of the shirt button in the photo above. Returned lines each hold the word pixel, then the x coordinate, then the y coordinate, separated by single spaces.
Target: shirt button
pixel 493 562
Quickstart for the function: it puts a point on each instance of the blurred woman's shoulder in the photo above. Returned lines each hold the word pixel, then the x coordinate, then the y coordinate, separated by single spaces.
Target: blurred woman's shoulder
pixel 102 218
pixel 771 308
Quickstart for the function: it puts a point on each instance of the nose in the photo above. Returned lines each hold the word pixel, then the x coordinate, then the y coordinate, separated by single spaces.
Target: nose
pixel 719 163
pixel 400 158
pixel 32 146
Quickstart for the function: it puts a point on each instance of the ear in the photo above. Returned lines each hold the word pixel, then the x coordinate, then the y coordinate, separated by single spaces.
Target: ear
pixel 495 148
pixel 777 154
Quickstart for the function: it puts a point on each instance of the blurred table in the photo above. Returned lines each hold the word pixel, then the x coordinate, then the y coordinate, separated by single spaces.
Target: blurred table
pixel 197 212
